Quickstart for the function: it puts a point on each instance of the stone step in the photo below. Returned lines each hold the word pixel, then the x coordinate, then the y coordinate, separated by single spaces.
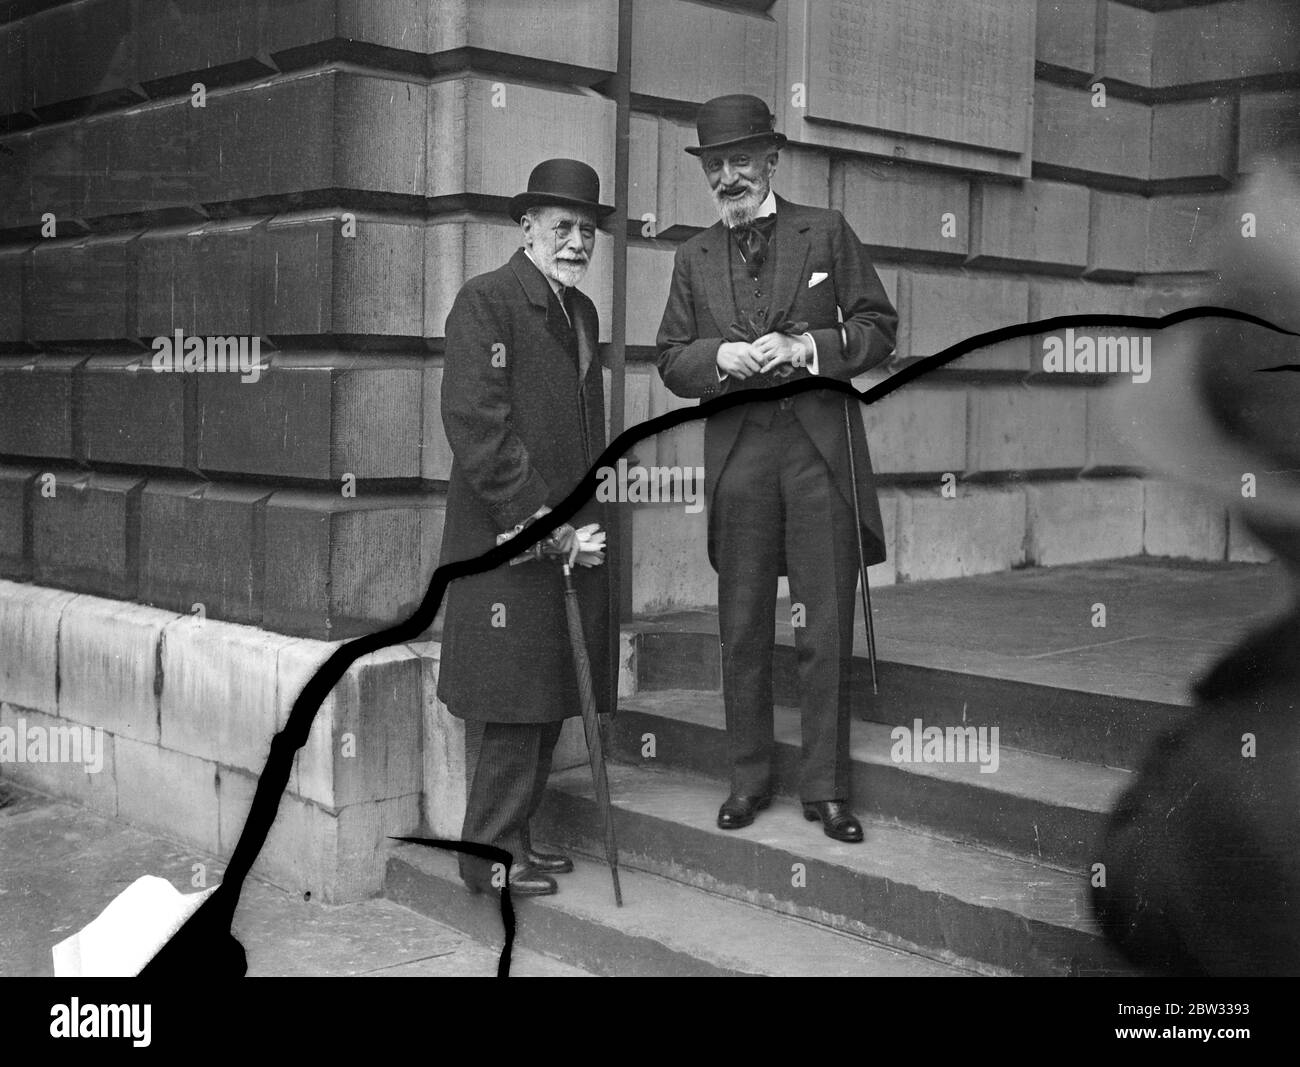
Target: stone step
pixel 919 893
pixel 1103 728
pixel 665 928
pixel 1040 807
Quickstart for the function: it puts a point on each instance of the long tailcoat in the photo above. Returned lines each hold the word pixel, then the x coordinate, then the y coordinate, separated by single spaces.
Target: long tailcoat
pixel 522 435
pixel 701 308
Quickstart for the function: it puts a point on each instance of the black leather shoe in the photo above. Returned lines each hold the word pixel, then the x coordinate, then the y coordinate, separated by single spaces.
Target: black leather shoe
pixel 548 862
pixel 738 811
pixel 836 819
pixel 525 881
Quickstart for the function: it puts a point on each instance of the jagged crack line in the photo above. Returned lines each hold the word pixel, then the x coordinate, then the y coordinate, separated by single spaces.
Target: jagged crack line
pixel 219 908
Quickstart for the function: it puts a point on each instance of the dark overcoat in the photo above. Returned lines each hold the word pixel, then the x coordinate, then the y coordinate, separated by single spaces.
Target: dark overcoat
pixel 1201 855
pixel 808 242
pixel 522 435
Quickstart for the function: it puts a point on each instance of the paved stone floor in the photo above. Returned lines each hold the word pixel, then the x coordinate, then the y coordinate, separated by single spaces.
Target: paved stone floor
pixel 61 864
pixel 1167 621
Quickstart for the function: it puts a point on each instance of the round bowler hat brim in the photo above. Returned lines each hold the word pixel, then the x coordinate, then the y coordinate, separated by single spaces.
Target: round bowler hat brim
pixel 777 140
pixel 523 201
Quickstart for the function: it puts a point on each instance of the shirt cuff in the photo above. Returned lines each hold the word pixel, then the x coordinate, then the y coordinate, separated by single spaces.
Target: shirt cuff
pixel 812 359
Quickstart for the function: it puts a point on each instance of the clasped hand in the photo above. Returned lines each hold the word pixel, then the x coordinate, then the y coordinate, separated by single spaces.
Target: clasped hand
pixel 742 359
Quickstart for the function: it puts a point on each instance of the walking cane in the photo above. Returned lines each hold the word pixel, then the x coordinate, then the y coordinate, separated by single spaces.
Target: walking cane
pixel 862 559
pixel 591 724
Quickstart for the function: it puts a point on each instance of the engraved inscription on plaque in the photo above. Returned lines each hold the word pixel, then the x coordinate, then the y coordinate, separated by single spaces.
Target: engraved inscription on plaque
pixel 959 71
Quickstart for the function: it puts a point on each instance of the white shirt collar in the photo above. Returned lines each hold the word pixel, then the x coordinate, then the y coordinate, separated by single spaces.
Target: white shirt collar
pixel 768 207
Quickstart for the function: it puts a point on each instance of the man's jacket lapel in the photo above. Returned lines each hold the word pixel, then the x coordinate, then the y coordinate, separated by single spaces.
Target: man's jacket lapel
pixel 791 246
pixel 715 261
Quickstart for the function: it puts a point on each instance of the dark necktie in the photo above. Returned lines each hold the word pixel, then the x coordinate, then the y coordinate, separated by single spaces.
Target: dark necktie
pixel 753 240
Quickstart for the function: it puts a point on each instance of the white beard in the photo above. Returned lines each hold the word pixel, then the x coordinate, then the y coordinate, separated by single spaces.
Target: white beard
pixel 739 211
pixel 568 274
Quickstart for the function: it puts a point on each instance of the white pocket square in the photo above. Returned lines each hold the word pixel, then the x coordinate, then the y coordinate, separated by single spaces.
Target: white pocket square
pixel 817 278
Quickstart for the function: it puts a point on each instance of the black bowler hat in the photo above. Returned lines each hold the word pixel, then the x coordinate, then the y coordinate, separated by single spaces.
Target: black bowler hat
pixel 728 120
pixel 565 182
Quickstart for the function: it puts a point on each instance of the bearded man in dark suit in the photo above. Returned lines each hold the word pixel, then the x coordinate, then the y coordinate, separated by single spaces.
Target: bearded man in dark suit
pixel 524 411
pixel 773 292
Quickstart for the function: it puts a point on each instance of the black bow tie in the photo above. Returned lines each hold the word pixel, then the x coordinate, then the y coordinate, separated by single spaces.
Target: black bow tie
pixel 753 239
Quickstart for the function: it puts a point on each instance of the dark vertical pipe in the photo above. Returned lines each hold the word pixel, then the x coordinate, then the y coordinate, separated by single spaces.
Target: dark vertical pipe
pixel 620 537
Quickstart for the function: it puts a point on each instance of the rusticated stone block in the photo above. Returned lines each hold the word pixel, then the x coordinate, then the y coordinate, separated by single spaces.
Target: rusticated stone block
pixel 197 280
pixel 1267 121
pixel 943 309
pixel 978 531
pixel 490 134
pixel 1193 139
pixel 1129 43
pixel 670 567
pixel 218 698
pixel 900 206
pixel 29 634
pixel 714 51
pixel 435 450
pixel 649 273
pixel 1021 429
pixel 131 413
pixel 581 33
pixel 81 289
pixel 36 405
pixel 1244 546
pixel 1067 34
pixel 1181 522
pixel 1185 233
pixel 87 774
pixel 1040 222
pixel 1117 233
pixel 203 544
pixel 169 792
pixel 1111 431
pixel 313 416
pixel 1242 39
pixel 109 653
pixel 12 261
pixel 365 739
pixel 85 535
pixel 15 487
pixel 15 181
pixel 337 857
pixel 15 94
pixel 1084 519
pixel 81 50
pixel 1070 132
pixel 446 775
pixel 143 159
pixel 338 567
pixel 320 282
pixel 918 430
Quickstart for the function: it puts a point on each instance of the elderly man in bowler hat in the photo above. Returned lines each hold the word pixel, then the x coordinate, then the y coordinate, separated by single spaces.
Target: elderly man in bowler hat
pixel 523 408
pixel 773 292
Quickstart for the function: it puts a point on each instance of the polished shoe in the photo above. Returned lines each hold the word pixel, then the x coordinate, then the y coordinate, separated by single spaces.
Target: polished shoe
pixel 546 862
pixel 525 881
pixel 836 819
pixel 738 811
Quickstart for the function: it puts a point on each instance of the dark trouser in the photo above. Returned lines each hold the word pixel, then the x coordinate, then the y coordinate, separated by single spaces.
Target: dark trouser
pixel 509 763
pixel 776 492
